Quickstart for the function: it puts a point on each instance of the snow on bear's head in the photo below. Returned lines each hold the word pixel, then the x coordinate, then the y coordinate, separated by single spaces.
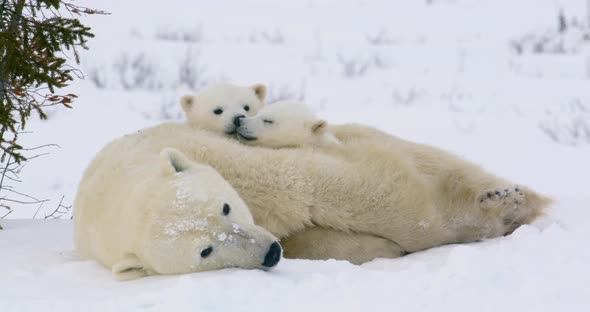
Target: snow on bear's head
pixel 218 108
pixel 283 124
pixel 197 222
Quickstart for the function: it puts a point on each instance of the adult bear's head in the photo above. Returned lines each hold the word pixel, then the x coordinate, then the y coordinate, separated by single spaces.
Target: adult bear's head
pixel 196 222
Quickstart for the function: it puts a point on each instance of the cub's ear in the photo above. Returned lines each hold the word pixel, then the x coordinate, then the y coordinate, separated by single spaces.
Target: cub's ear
pixel 187 102
pixel 174 161
pixel 260 91
pixel 318 126
pixel 128 268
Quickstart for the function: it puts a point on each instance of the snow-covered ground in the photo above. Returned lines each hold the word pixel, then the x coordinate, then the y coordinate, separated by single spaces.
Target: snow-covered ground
pixel 537 268
pixel 443 73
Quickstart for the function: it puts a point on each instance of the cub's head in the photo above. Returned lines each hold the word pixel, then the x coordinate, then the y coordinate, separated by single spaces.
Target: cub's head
pixel 283 124
pixel 219 108
pixel 197 222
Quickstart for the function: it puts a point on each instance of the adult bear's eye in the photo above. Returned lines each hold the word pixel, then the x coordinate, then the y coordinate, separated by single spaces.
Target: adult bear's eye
pixel 226 209
pixel 206 252
pixel 246 107
pixel 268 121
pixel 218 111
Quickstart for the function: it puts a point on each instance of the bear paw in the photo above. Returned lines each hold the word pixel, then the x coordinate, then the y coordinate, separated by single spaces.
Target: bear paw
pixel 504 197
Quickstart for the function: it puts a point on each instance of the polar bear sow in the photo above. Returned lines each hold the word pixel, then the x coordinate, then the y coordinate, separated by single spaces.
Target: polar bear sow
pixel 412 195
pixel 219 108
pixel 144 213
pixel 291 124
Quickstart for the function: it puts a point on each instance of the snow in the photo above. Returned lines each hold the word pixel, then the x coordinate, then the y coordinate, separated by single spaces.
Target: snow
pixel 178 227
pixel 188 189
pixel 540 267
pixel 443 74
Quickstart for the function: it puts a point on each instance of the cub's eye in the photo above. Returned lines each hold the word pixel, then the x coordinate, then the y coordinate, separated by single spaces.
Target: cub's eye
pixel 226 209
pixel 206 252
pixel 268 121
pixel 218 111
pixel 247 107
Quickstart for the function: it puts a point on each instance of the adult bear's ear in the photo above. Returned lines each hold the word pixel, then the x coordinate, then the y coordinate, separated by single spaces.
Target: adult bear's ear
pixel 187 102
pixel 128 268
pixel 318 126
pixel 260 91
pixel 174 161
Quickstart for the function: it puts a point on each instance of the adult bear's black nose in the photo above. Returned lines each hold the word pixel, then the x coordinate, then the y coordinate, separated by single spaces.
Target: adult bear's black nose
pixel 273 255
pixel 238 119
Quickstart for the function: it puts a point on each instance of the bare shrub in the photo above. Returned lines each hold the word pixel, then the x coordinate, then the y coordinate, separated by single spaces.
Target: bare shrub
pixel 568 37
pixel 10 170
pixel 274 37
pixel 379 38
pixel 136 72
pixel 191 72
pixel 58 212
pixel 380 62
pixel 406 96
pixel 570 125
pixel 193 35
pixel 97 78
pixel 354 67
pixel 170 110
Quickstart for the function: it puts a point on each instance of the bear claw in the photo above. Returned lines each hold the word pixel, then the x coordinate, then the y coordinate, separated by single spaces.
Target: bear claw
pixel 512 196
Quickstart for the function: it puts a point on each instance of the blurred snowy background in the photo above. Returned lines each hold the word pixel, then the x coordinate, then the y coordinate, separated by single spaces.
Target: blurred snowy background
pixel 503 83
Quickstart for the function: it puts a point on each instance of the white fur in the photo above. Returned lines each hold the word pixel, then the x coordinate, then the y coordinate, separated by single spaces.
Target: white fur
pixel 285 124
pixel 372 190
pixel 231 99
pixel 143 213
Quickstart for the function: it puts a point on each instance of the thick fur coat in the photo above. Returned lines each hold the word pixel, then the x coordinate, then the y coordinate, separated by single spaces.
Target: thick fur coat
pixel 373 190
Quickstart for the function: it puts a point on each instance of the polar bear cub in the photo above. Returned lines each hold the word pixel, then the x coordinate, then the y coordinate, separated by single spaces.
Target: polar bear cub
pixel 142 213
pixel 285 124
pixel 219 108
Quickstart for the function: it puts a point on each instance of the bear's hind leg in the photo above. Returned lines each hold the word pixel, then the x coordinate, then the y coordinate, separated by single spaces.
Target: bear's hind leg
pixel 514 204
pixel 505 198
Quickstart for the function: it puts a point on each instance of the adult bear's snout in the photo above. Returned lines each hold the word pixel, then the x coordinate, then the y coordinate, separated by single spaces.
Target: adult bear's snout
pixel 273 255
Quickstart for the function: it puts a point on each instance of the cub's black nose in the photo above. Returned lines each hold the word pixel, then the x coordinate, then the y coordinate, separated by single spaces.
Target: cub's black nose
pixel 273 255
pixel 238 119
